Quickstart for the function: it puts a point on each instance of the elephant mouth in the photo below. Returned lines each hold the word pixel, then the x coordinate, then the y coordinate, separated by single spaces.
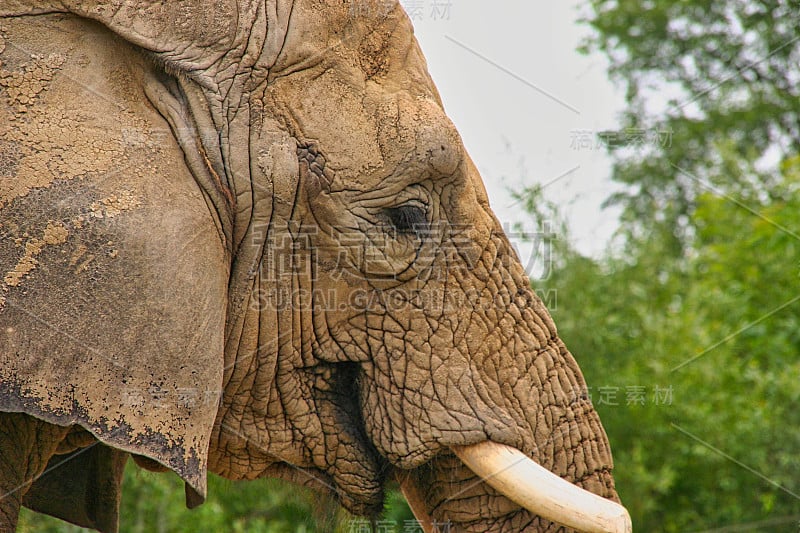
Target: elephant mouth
pixel 521 494
pixel 512 491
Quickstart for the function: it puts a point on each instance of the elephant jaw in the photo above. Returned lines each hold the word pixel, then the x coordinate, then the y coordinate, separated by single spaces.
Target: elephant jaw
pixel 519 479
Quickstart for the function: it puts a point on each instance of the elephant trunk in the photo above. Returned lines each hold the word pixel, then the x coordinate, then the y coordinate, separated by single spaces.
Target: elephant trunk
pixel 508 386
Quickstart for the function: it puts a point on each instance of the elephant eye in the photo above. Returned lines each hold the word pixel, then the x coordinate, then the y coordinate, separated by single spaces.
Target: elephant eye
pixel 408 218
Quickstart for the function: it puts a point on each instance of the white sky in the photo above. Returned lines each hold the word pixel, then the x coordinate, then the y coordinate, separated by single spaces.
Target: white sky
pixel 514 131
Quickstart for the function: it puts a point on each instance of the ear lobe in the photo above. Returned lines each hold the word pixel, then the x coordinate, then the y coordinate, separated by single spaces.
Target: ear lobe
pixel 83 488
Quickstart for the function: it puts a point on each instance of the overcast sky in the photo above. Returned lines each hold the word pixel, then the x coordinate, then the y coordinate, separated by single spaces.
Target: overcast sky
pixel 521 96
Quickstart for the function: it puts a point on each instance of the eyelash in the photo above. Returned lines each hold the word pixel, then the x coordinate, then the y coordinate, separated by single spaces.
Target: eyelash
pixel 407 219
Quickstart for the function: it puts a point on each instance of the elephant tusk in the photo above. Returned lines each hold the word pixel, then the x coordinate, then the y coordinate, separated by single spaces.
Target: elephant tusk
pixel 415 501
pixel 535 488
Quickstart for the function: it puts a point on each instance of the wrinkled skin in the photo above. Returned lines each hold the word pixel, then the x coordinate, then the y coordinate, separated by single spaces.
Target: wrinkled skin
pixel 274 259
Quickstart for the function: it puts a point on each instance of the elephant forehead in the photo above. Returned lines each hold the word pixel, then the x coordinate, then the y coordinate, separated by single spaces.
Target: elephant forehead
pixel 361 91
pixel 366 136
pixel 366 32
pixel 327 112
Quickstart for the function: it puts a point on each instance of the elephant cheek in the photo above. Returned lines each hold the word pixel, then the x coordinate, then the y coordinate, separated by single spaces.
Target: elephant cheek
pixel 487 365
pixel 417 400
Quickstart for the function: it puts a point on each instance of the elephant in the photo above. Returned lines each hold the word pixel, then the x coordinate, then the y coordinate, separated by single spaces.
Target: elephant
pixel 243 237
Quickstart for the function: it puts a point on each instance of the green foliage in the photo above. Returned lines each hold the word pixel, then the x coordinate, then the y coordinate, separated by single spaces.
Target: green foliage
pixel 699 75
pixel 711 339
pixel 154 503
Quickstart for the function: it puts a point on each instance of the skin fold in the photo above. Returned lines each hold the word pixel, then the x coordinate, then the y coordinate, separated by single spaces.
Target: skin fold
pixel 245 238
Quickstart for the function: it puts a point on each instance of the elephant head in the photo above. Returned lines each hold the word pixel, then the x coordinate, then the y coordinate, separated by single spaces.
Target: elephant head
pixel 339 286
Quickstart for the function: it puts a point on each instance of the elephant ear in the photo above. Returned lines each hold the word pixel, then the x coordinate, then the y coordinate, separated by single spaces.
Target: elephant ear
pixel 113 260
pixel 82 488
pixel 208 42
